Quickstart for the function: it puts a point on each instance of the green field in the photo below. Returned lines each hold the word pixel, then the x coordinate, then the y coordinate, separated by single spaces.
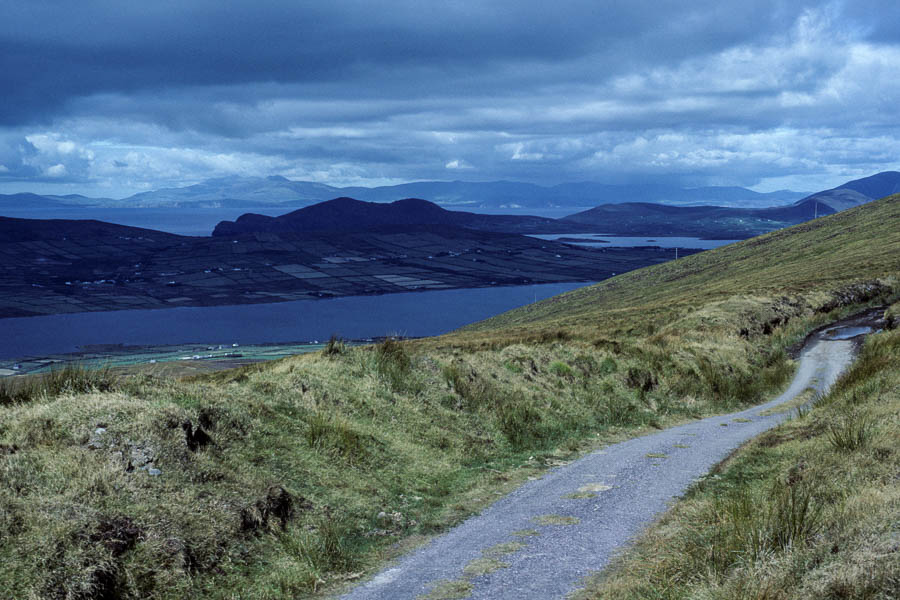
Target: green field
pixel 294 477
pixel 169 360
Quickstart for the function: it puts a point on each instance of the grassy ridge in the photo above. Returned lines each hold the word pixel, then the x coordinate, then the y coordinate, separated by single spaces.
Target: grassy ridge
pixel 817 256
pixel 809 510
pixel 283 479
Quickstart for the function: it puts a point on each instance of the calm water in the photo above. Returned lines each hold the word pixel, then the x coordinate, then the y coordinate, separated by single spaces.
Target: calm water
pixel 354 317
pixel 592 240
pixel 358 317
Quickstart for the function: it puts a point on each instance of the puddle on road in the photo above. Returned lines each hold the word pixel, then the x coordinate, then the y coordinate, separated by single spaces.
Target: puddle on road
pixel 846 333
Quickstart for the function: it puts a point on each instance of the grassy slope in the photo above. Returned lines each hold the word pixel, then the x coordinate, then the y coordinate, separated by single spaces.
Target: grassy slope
pixel 808 511
pixel 311 469
pixel 819 255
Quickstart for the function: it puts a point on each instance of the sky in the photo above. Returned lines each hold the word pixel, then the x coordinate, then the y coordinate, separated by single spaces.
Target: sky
pixel 109 98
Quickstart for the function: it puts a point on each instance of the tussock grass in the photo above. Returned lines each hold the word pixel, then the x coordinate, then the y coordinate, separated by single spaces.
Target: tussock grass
pixel 394 364
pixel 851 430
pixel 335 346
pixel 807 511
pixel 71 378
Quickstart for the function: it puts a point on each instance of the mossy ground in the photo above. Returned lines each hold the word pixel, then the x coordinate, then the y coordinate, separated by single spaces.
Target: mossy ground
pixel 289 478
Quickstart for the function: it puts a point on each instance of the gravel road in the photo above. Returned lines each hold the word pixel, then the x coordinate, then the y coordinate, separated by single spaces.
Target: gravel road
pixel 627 484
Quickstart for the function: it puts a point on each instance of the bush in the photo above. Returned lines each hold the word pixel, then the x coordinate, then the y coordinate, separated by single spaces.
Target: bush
pixel 607 366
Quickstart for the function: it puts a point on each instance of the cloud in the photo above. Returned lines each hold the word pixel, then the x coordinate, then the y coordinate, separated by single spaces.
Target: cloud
pixel 57 170
pixel 126 97
pixel 457 164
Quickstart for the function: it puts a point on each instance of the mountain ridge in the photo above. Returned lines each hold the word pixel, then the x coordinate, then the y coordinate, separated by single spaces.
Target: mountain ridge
pixel 278 191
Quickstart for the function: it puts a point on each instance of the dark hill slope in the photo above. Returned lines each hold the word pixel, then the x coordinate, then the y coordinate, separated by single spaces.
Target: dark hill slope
pixel 640 218
pixel 29 230
pixel 856 192
pixel 14 201
pixel 636 218
pixel 825 254
pixel 879 185
pixel 347 214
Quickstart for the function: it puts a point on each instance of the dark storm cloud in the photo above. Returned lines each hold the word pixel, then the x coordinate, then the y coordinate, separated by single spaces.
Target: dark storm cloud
pixel 54 51
pixel 132 95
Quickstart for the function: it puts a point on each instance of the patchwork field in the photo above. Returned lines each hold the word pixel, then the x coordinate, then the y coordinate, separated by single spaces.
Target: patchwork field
pixel 63 271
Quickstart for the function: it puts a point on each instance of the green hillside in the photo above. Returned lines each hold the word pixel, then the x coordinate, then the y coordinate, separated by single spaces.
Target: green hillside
pixel 819 256
pixel 293 478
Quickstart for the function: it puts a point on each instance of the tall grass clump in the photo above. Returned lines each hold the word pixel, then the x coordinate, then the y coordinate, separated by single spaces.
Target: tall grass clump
pixel 394 364
pixel 73 379
pixel 329 433
pixel 474 391
pixel 851 430
pixel 335 346
pixel 521 422
pixel 747 526
pixel 328 545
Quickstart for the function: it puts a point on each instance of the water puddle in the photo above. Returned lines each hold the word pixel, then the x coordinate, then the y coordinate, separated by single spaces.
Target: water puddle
pixel 846 333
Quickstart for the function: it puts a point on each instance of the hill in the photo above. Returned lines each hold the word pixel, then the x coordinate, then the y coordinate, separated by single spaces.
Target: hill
pixel 856 192
pixel 823 254
pixel 30 230
pixel 277 191
pixel 347 214
pixel 506 194
pixel 715 222
pixel 12 201
pixel 291 478
pixel 614 218
pixel 632 218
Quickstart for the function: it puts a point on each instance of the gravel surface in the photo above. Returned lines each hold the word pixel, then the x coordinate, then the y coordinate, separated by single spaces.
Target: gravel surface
pixel 627 484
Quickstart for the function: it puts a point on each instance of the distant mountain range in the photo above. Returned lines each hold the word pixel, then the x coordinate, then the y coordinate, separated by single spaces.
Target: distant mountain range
pixel 628 218
pixel 276 191
pixel 719 212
